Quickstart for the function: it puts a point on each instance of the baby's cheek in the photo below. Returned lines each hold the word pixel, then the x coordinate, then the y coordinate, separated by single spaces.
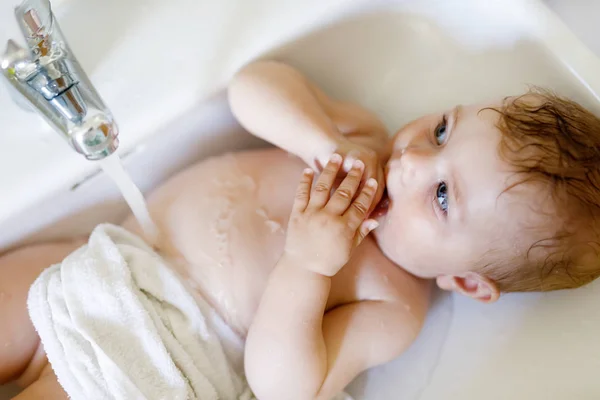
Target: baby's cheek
pixel 393 176
pixel 388 238
pixel 408 240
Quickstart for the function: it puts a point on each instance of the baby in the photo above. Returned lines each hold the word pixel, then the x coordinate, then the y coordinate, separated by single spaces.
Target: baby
pixel 485 199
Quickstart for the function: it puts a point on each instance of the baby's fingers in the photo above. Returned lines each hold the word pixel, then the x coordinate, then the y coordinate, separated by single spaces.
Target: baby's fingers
pixel 359 209
pixel 303 192
pixel 365 228
pixel 320 194
pixel 341 199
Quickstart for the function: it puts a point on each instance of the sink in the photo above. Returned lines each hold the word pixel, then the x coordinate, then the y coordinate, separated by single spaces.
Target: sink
pixel 400 58
pixel 152 61
pixel 432 53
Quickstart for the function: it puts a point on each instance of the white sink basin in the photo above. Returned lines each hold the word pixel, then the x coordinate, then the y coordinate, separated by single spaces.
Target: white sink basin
pixel 162 70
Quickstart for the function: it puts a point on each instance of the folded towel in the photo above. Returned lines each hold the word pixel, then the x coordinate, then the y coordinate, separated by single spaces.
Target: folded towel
pixel 117 323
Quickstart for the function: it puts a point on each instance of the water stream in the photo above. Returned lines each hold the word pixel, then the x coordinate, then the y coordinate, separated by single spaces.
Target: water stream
pixel 133 196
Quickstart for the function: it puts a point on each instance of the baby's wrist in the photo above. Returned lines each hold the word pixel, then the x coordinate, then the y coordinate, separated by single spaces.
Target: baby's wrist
pixel 297 261
pixel 319 156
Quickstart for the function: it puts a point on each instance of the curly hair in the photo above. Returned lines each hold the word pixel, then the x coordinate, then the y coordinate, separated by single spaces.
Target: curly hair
pixel 555 142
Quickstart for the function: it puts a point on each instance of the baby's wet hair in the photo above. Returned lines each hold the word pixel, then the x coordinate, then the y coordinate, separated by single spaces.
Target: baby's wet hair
pixel 554 143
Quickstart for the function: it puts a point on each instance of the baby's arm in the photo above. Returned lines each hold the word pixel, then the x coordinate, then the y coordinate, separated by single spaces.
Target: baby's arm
pixel 278 104
pixel 294 349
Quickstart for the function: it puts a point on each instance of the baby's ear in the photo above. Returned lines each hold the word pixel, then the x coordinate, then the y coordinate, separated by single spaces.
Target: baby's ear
pixel 472 285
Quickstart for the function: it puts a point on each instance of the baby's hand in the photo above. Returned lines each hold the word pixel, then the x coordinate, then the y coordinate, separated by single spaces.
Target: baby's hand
pixel 351 151
pixel 324 231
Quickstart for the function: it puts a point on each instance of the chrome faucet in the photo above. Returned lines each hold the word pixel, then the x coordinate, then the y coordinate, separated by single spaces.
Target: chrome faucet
pixel 48 77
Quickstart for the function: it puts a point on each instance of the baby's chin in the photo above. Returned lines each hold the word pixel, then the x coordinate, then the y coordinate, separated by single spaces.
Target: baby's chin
pixel 386 241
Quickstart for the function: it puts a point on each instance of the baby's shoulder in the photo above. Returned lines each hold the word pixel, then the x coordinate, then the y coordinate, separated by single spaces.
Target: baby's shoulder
pixel 371 276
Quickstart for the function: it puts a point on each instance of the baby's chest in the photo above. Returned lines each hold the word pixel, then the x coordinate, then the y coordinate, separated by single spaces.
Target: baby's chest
pixel 229 213
pixel 225 220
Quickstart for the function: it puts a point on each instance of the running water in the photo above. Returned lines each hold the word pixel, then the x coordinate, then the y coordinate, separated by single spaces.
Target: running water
pixel 132 194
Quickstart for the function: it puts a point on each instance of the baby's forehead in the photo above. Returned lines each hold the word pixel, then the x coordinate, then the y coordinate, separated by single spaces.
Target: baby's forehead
pixel 478 122
pixel 509 226
pixel 523 210
pixel 493 186
pixel 490 111
pixel 486 111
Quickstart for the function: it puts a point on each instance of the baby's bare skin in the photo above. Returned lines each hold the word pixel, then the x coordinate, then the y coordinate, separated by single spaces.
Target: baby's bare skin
pixel 223 224
pixel 22 358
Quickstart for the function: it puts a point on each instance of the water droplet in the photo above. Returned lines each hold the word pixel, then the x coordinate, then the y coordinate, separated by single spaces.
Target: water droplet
pixel 273 226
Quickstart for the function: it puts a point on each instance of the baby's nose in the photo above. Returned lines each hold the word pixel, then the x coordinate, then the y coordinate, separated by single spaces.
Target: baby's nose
pixel 415 165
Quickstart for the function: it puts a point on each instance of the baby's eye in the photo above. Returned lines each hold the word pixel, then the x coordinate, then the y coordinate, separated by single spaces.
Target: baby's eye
pixel 440 132
pixel 441 195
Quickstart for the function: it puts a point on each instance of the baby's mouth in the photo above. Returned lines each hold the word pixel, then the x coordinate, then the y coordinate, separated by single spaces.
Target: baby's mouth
pixel 382 207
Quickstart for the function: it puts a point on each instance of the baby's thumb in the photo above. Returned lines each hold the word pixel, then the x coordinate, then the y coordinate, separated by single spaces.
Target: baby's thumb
pixel 365 228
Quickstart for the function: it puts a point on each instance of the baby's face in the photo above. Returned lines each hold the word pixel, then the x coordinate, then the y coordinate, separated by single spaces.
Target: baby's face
pixel 444 181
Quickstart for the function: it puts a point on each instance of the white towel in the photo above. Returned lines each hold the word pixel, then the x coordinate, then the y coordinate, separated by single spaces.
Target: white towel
pixel 117 323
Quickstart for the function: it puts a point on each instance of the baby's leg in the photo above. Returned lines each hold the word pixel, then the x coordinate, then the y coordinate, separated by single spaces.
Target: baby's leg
pixel 21 356
pixel 46 387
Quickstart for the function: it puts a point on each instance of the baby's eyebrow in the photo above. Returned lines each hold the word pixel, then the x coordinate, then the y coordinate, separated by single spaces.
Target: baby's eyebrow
pixel 458 193
pixel 457 113
pixel 457 186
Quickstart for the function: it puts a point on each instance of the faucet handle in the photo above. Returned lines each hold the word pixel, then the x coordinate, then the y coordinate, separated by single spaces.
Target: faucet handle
pixel 37 25
pixel 49 77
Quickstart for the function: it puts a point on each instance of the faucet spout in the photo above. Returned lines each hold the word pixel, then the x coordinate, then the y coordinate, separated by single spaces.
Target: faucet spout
pixel 49 77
